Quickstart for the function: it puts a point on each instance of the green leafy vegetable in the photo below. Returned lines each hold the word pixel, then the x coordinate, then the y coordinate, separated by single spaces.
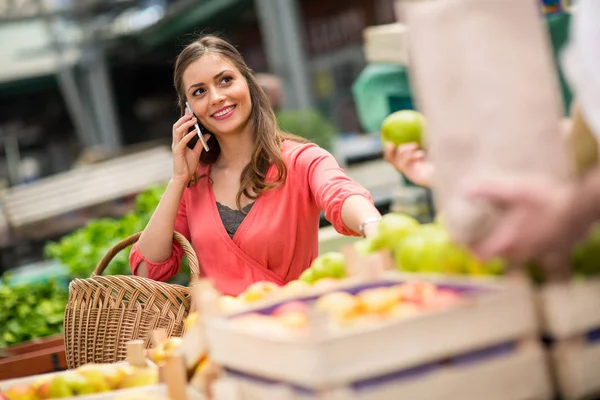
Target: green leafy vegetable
pixel 30 311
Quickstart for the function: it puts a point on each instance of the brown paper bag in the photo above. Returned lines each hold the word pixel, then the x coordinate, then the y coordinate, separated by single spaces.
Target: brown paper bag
pixel 582 143
pixel 484 79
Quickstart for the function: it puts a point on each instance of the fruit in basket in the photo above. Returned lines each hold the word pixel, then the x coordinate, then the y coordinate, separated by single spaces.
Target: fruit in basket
pixel 405 126
pixel 258 291
pixel 392 229
pixel 20 391
pixel 329 265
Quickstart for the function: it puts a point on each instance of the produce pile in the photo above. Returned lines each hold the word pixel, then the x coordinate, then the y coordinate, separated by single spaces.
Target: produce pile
pixel 427 248
pixel 87 379
pixel 30 311
pixel 343 310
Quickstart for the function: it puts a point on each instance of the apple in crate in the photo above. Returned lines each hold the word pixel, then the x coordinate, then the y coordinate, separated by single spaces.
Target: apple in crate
pixel 293 315
pixel 139 377
pixel 258 291
pixel 415 291
pixel 392 229
pixel 441 299
pixel 296 288
pixel 230 304
pixel 20 391
pixel 339 305
pixel 329 265
pixel 159 354
pixel 379 300
pixel 326 284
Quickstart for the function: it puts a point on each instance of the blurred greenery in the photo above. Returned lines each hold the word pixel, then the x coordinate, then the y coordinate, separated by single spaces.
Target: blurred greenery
pixel 309 124
pixel 82 249
pixel 30 311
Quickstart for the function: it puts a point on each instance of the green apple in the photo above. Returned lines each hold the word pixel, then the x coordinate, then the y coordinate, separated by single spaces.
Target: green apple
pixel 66 384
pixel 329 265
pixel 363 247
pixel 402 127
pixel 429 249
pixel 308 275
pixel 392 229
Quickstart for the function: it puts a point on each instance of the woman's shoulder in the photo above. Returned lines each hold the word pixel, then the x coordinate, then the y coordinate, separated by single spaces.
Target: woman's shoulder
pixel 301 152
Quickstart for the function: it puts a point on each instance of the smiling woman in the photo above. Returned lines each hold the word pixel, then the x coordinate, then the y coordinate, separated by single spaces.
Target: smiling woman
pixel 250 205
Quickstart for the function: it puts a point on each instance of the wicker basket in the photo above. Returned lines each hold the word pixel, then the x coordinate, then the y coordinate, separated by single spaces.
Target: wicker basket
pixel 104 312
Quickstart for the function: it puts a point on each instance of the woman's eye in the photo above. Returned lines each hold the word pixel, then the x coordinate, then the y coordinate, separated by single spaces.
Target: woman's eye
pixel 226 79
pixel 198 92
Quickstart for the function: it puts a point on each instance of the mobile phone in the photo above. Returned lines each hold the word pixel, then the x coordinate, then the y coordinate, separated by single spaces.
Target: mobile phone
pixel 200 131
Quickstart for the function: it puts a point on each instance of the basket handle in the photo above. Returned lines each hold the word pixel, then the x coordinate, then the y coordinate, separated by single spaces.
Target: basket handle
pixel 190 254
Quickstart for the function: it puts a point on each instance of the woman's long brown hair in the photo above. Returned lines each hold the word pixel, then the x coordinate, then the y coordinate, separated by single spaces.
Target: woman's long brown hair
pixel 269 138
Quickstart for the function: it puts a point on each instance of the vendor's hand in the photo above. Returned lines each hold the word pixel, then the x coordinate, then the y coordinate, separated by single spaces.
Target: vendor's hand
pixel 185 160
pixel 409 160
pixel 541 221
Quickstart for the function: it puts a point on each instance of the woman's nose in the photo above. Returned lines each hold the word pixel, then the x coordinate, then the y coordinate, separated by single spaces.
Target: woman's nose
pixel 216 96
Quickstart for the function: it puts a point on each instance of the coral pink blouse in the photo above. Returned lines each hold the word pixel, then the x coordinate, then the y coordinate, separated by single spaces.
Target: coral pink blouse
pixel 278 238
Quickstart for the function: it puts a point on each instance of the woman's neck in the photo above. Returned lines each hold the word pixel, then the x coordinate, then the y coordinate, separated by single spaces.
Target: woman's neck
pixel 236 150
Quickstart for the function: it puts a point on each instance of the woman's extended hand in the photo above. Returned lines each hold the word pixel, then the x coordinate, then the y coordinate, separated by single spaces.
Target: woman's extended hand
pixel 410 161
pixel 185 160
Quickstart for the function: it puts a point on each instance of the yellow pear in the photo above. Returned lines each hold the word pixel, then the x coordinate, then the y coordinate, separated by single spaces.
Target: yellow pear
pixel 96 378
pixel 140 377
pixel 230 304
pixel 20 391
pixel 191 320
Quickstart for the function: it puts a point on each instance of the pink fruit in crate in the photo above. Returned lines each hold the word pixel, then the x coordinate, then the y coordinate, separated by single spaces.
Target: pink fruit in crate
pixel 415 292
pixel 294 320
pixel 442 299
pixel 20 391
pixel 406 310
pixel 291 307
pixel 378 300
pixel 259 291
pixel 339 304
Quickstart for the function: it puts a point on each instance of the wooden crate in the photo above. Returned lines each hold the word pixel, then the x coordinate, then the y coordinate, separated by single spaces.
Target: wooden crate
pixel 386 44
pixel 32 358
pixel 577 368
pixel 342 357
pixel 522 374
pixel 568 312
pixel 569 309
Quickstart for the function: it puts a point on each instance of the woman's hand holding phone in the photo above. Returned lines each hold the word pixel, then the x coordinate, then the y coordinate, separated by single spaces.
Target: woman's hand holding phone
pixel 185 159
